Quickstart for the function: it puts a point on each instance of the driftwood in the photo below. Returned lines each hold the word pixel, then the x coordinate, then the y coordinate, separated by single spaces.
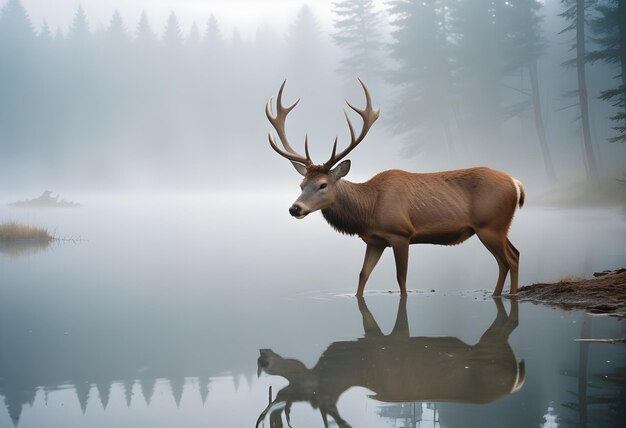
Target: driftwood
pixel 611 341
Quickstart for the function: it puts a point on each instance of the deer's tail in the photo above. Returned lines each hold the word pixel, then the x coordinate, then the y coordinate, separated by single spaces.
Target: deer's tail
pixel 521 193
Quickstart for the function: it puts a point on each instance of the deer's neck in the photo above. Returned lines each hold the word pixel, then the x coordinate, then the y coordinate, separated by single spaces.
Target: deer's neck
pixel 352 209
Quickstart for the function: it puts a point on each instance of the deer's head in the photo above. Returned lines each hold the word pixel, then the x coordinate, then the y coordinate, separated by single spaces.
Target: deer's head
pixel 304 386
pixel 318 186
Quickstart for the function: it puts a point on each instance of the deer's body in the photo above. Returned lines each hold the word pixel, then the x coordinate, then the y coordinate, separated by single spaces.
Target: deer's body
pixel 398 208
pixel 435 208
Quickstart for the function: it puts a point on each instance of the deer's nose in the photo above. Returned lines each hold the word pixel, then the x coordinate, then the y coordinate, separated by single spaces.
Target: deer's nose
pixel 295 210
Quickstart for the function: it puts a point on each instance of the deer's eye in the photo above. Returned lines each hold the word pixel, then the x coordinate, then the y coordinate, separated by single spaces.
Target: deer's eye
pixel 323 186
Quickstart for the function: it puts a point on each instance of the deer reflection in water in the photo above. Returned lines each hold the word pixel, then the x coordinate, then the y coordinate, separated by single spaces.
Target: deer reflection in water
pixel 398 368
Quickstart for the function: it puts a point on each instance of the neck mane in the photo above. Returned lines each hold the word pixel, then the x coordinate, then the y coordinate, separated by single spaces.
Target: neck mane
pixel 351 211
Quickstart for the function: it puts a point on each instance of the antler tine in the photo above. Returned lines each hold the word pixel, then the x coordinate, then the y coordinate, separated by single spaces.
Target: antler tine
pixel 345 113
pixel 368 115
pixel 288 413
pixel 279 100
pixel 306 147
pixel 290 156
pixel 278 122
pixel 271 408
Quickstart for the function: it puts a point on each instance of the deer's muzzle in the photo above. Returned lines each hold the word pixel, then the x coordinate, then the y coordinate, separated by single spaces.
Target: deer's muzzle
pixel 296 211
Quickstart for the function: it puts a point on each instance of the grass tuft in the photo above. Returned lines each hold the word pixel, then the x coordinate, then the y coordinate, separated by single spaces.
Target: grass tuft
pixel 12 231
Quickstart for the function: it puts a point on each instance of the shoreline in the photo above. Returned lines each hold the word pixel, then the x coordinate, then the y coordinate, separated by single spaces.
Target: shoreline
pixel 604 294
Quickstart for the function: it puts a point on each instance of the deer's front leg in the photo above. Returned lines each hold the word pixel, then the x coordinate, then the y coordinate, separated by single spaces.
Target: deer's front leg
pixel 372 255
pixel 401 254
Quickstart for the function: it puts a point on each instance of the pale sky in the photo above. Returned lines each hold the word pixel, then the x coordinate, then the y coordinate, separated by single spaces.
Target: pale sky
pixel 245 15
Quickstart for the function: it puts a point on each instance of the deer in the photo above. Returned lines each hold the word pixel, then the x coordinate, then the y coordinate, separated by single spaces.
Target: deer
pixel 400 368
pixel 396 208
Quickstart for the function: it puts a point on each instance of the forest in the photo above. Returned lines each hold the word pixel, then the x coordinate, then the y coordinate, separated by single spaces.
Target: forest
pixel 536 88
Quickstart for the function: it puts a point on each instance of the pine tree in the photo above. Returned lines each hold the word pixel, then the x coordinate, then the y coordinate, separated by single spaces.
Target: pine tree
pixel 303 35
pixel 423 106
pixel 172 37
pixel 193 39
pixel 78 33
pixel 357 32
pixel 493 42
pixel 145 69
pixel 212 35
pixel 305 59
pixel 45 34
pixel 609 29
pixel 116 32
pixel 144 36
pixel 575 12
pixel 523 46
pixel 304 49
pixel 17 74
pixel 171 67
pixel 480 61
pixel 16 30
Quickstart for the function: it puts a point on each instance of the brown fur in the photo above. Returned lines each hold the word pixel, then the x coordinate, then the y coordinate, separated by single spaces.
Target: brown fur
pixel 396 208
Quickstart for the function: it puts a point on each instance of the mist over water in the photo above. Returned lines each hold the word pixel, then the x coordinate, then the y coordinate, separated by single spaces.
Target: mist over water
pixel 222 238
pixel 181 277
pixel 157 318
pixel 158 314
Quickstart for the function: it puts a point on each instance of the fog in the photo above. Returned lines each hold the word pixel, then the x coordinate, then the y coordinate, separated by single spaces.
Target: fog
pixel 175 259
pixel 170 95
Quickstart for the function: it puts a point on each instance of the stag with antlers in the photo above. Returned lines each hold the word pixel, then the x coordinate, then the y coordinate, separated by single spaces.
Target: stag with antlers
pixel 397 208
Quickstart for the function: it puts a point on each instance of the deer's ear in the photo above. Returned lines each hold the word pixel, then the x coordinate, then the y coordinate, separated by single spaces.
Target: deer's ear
pixel 300 168
pixel 340 170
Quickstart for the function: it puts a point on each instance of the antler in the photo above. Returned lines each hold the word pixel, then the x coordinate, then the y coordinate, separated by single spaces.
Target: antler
pixel 275 409
pixel 368 115
pixel 278 122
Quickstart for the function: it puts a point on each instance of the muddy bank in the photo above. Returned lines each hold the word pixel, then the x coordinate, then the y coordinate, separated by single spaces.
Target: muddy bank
pixel 605 294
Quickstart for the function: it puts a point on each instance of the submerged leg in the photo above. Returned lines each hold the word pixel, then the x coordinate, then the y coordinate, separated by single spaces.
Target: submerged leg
pixel 370 326
pixel 496 244
pixel 401 327
pixel 513 257
pixel 372 255
pixel 401 254
pixel 504 324
pixel 513 320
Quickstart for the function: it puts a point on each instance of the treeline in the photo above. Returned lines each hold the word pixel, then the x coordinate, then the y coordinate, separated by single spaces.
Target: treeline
pixel 125 95
pixel 454 74
pixel 465 68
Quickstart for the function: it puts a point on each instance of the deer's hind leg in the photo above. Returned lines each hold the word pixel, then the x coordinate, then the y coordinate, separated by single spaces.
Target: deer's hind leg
pixel 401 255
pixel 497 244
pixel 513 258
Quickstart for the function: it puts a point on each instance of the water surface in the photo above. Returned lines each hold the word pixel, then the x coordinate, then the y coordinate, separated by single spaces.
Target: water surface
pixel 181 310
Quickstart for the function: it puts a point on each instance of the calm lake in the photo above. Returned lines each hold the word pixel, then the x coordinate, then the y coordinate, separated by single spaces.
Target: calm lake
pixel 197 310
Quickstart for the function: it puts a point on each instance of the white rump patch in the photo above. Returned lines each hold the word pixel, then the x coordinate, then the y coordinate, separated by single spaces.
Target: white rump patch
pixel 518 189
pixel 520 379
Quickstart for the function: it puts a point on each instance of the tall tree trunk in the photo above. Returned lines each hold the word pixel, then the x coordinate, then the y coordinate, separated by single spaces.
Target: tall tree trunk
pixel 592 168
pixel 539 125
pixel 621 9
